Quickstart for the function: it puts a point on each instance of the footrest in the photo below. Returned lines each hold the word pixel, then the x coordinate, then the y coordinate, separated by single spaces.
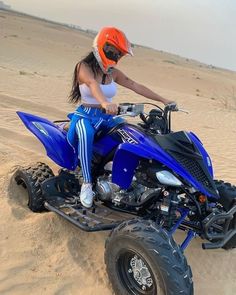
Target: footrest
pixel 61 194
pixel 91 220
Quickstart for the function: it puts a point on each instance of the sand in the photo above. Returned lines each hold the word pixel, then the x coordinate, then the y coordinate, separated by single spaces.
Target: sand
pixel 42 253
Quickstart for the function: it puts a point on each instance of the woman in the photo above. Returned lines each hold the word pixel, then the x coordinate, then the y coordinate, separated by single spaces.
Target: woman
pixel 94 87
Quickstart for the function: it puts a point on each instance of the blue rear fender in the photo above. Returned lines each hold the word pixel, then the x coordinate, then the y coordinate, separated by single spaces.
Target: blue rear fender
pixel 53 139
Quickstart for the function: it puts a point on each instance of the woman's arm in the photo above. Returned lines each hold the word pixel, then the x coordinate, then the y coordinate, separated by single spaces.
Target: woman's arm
pixel 85 75
pixel 121 79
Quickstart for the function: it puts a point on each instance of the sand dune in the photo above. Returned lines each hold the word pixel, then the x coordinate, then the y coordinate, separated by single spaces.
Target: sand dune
pixel 43 254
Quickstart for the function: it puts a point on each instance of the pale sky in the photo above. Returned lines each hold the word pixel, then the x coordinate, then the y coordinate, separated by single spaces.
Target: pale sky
pixel 204 30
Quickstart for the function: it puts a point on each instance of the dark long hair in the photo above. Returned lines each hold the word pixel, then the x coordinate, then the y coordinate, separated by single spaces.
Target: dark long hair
pixel 90 60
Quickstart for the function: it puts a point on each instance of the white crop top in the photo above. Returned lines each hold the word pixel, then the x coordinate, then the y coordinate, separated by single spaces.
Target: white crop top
pixel 109 90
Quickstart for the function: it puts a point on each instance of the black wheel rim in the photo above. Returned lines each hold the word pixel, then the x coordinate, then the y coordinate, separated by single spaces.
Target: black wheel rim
pixel 135 273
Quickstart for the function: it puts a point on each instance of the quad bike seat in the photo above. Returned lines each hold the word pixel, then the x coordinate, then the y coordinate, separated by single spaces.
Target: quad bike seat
pixel 65 125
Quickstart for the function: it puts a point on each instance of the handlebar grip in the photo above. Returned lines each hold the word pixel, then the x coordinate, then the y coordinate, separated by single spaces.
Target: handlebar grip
pixel 171 107
pixel 104 111
pixel 119 109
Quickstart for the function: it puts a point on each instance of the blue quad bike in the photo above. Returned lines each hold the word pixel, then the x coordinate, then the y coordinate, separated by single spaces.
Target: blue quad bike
pixel 149 181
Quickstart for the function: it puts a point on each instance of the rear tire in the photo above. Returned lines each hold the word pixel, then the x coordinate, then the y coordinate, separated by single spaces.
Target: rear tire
pixel 142 259
pixel 227 194
pixel 31 179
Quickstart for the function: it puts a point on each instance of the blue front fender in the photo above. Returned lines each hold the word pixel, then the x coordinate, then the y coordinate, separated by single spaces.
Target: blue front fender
pixel 127 157
pixel 125 161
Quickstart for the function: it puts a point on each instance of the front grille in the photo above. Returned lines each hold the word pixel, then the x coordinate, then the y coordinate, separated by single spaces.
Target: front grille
pixel 193 168
pixel 187 144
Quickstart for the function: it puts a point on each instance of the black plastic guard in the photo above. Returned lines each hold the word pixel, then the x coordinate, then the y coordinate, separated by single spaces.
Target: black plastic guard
pixel 219 229
pixel 179 146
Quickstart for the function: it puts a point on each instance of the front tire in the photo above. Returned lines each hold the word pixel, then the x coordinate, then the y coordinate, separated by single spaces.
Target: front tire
pixel 142 259
pixel 31 179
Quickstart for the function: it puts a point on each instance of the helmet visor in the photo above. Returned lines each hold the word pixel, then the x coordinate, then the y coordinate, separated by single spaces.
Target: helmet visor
pixel 112 53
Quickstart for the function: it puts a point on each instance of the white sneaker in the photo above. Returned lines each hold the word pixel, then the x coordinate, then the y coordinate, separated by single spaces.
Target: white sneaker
pixel 86 195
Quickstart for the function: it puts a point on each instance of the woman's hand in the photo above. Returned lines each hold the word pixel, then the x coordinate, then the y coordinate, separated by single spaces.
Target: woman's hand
pixel 111 108
pixel 167 101
pixel 172 106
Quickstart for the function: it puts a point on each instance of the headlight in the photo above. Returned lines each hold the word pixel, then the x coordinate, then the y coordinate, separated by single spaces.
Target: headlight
pixel 165 177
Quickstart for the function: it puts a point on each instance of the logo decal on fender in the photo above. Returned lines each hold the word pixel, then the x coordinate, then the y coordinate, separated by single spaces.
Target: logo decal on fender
pixel 126 137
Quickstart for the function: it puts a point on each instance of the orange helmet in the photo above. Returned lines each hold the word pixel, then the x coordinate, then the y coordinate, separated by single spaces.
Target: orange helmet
pixel 109 46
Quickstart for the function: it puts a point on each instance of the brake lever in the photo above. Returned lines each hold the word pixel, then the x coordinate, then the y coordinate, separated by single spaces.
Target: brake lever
pixel 125 115
pixel 183 111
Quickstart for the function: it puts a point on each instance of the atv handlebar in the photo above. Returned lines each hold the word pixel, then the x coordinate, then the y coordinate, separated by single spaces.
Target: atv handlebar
pixel 135 109
pixel 129 109
pixel 153 118
pixel 171 107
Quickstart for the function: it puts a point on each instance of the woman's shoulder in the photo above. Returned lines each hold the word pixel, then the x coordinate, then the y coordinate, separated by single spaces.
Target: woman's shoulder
pixel 82 65
pixel 116 73
pixel 84 72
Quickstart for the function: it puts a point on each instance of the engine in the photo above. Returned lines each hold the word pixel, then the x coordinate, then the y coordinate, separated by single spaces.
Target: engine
pixel 111 192
pixel 107 190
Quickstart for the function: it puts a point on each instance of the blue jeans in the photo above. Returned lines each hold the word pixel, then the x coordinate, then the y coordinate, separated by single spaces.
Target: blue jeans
pixel 85 122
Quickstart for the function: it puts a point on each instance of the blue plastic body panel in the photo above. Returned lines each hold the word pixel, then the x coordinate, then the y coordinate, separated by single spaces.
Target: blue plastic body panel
pixel 53 139
pixel 127 157
pixel 127 154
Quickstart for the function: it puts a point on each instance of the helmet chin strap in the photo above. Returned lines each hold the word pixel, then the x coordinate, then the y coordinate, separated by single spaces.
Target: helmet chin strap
pixel 110 70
